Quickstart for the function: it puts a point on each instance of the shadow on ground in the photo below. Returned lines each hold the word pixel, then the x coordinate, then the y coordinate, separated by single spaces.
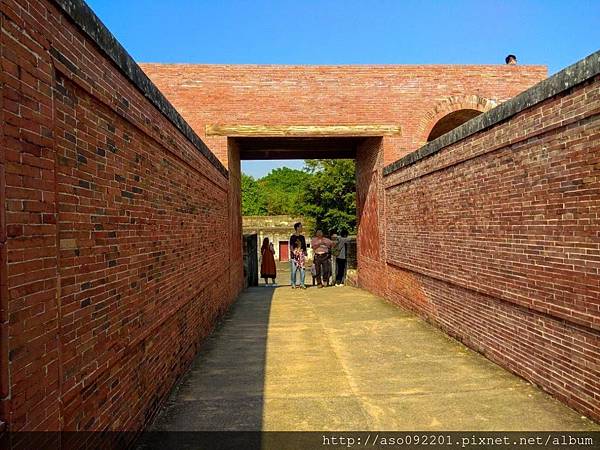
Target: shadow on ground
pixel 343 359
pixel 224 389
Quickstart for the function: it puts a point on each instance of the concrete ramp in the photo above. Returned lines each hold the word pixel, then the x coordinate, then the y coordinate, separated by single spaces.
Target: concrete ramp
pixel 344 359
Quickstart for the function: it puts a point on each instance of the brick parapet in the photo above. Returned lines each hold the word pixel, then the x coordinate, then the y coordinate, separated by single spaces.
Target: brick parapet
pixel 403 95
pixel 97 33
pixel 113 270
pixel 493 233
pixel 563 81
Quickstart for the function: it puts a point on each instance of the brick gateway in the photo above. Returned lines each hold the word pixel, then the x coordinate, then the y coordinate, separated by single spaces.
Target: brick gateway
pixel 114 206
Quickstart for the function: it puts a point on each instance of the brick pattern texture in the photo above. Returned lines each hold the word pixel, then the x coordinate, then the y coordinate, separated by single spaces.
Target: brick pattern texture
pixel 413 97
pixel 116 262
pixel 371 214
pixel 496 239
pixel 121 241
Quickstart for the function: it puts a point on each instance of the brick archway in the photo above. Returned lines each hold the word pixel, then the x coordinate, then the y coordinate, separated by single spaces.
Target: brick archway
pixel 448 106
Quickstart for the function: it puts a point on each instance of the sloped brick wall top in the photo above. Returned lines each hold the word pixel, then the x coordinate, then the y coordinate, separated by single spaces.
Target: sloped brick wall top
pixel 92 26
pixel 565 79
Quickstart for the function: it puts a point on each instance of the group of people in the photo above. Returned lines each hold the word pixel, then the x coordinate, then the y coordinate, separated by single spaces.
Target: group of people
pixel 323 251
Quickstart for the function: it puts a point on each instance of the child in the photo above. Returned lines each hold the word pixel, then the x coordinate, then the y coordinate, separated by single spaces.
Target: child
pixel 299 259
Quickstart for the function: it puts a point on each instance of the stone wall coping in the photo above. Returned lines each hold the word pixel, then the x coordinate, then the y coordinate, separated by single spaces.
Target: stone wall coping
pixel 87 21
pixel 564 80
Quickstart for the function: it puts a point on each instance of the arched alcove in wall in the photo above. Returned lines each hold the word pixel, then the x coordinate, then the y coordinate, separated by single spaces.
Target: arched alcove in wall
pixel 451 121
pixel 450 113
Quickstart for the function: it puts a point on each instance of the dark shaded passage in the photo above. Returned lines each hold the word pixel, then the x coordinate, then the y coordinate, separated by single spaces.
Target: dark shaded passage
pixel 224 388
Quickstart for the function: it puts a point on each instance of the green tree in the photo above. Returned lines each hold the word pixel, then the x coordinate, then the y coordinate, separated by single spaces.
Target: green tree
pixel 253 201
pixel 330 197
pixel 324 192
pixel 283 190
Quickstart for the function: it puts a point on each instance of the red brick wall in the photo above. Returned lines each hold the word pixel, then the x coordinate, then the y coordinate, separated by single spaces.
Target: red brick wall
pixel 122 235
pixel 116 262
pixel 370 243
pixel 415 97
pixel 496 239
pixel 410 96
pixel 236 254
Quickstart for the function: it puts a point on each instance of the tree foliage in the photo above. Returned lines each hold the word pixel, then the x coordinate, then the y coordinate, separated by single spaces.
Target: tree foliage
pixel 253 202
pixel 325 191
pixel 330 197
pixel 282 190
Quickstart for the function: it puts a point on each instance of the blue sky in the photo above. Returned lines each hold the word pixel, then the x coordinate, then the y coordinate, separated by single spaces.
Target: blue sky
pixel 551 32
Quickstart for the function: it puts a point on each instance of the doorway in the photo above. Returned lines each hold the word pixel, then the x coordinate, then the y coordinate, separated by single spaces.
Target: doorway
pixel 366 152
pixel 284 251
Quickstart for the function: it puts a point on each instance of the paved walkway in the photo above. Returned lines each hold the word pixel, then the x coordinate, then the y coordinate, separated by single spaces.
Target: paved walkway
pixel 343 359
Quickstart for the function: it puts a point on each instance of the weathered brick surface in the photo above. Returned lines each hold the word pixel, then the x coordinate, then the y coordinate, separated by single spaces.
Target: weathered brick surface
pixel 236 263
pixel 496 238
pixel 116 262
pixel 371 215
pixel 413 97
pixel 121 231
